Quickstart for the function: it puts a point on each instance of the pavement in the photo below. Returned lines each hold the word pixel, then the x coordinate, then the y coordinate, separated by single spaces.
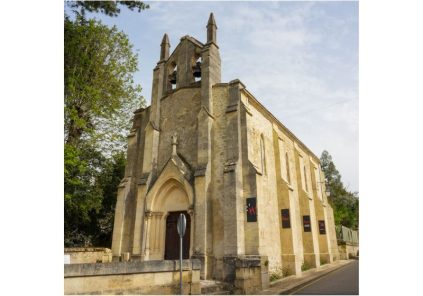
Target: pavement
pixel 289 285
pixel 343 281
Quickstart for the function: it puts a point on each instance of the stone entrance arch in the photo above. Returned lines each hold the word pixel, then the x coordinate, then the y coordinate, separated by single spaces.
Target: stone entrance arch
pixel 163 202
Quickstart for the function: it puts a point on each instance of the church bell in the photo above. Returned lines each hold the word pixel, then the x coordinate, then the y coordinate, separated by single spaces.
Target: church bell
pixel 172 77
pixel 197 70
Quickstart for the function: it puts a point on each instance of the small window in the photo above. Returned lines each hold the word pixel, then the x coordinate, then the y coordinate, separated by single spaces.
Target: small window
pixel 305 179
pixel 303 174
pixel 262 155
pixel 318 183
pixel 287 168
pixel 282 160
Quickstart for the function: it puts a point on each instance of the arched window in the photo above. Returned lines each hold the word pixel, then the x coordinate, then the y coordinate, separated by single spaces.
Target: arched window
pixel 318 182
pixel 262 155
pixel 287 168
pixel 305 179
pixel 303 173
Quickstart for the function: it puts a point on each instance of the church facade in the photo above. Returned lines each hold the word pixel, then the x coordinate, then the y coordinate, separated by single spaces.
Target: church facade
pixel 208 149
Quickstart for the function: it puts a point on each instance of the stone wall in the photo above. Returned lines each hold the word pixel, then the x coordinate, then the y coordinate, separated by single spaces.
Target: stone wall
pixel 148 277
pixel 220 101
pixel 88 255
pixel 347 251
pixel 251 274
pixel 288 176
pixel 179 115
pixel 261 154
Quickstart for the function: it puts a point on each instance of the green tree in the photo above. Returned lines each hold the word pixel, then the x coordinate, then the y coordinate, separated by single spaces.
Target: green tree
pixel 91 183
pixel 99 85
pixel 344 203
pixel 100 95
pixel 111 175
pixel 83 195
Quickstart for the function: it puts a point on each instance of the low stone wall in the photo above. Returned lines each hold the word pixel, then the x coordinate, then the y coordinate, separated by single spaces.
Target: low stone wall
pixel 88 255
pixel 136 277
pixel 346 251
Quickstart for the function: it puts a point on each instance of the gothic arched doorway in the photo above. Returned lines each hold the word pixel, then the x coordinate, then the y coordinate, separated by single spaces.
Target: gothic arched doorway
pixel 166 201
pixel 172 237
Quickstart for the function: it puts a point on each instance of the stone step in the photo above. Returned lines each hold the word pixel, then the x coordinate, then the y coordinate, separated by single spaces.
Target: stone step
pixel 221 293
pixel 209 287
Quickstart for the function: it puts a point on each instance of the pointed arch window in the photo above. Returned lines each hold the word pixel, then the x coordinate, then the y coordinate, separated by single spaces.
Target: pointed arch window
pixel 305 179
pixel 303 174
pixel 284 162
pixel 287 168
pixel 262 155
pixel 318 182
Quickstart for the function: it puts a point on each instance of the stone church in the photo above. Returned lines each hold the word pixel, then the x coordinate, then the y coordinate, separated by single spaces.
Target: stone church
pixel 247 185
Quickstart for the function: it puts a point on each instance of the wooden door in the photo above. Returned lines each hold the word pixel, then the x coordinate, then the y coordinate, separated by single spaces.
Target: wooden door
pixel 172 237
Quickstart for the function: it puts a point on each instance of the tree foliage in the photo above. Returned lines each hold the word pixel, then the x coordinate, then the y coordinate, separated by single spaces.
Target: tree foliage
pixel 91 182
pixel 99 84
pixel 83 195
pixel 110 8
pixel 99 95
pixel 344 203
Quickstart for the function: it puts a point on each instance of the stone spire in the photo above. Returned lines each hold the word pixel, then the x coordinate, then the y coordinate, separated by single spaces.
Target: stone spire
pixel 211 30
pixel 165 45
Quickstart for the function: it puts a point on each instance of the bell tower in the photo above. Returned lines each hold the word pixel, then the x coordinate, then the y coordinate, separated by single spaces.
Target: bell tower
pixel 196 66
pixel 191 64
pixel 211 73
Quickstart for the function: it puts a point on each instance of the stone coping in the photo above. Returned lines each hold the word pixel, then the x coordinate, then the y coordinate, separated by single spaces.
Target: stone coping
pixel 248 261
pixel 341 243
pixel 73 250
pixel 131 267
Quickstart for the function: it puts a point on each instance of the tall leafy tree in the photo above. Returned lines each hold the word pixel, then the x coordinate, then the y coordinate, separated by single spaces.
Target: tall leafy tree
pixel 83 195
pixel 344 203
pixel 99 84
pixel 109 179
pixel 99 95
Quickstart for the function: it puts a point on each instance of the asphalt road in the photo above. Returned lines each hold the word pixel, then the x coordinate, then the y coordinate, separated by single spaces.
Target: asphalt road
pixel 343 281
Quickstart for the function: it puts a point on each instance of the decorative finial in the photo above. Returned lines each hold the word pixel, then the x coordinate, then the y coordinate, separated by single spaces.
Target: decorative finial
pixel 211 20
pixel 174 143
pixel 165 45
pixel 211 29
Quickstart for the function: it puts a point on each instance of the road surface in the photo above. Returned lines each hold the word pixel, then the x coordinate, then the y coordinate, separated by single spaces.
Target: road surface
pixel 343 281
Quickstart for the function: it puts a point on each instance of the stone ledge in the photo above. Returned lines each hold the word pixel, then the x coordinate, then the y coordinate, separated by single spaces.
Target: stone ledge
pixel 72 250
pixel 248 261
pixel 200 171
pixel 113 268
pixel 232 108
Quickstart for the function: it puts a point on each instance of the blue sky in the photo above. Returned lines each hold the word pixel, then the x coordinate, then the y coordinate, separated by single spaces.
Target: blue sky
pixel 299 59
